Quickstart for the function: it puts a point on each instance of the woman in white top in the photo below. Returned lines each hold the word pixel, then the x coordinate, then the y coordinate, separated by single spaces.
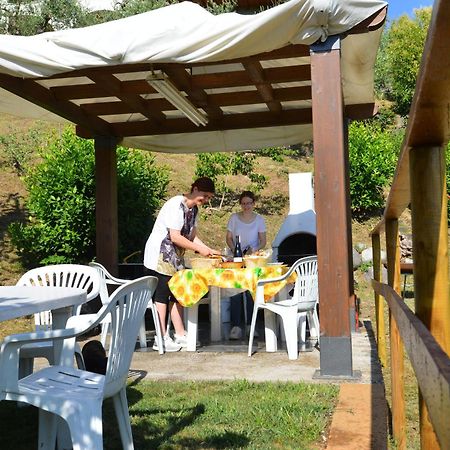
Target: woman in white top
pixel 174 231
pixel 251 229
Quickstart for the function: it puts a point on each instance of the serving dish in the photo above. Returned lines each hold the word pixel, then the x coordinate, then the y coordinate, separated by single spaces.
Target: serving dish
pixel 205 263
pixel 231 265
pixel 255 261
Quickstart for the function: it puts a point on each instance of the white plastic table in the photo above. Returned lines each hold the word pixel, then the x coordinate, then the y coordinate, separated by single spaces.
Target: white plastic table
pixel 19 301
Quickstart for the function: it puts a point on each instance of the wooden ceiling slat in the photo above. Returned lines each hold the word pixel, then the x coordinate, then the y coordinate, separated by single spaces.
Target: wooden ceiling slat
pixel 37 94
pixel 290 51
pixel 225 99
pixel 256 74
pixel 114 87
pixel 118 107
pixel 79 91
pixel 252 97
pixel 202 81
pixel 219 80
pixel 196 95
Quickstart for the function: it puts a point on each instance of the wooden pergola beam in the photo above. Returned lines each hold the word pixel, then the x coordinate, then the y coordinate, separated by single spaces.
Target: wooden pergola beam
pixel 256 73
pixel 198 96
pixel 228 122
pixel 37 94
pixel 114 88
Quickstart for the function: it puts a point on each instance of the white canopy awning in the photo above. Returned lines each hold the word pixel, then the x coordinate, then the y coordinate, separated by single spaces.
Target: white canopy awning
pixel 188 35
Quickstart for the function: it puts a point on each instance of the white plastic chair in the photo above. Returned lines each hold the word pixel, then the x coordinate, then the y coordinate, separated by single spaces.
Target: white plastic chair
pixel 76 395
pixel 290 310
pixel 108 279
pixel 60 275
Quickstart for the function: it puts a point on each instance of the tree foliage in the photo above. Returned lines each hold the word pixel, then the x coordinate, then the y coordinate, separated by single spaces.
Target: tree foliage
pixel 28 17
pixel 399 59
pixel 220 166
pixel 61 203
pixel 373 153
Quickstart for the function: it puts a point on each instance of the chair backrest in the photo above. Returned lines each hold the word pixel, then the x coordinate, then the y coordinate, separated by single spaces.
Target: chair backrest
pixel 61 275
pixel 127 307
pixel 306 289
pixel 106 279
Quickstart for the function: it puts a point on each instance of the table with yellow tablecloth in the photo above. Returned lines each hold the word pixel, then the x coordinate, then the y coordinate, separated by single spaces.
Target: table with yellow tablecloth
pixel 189 286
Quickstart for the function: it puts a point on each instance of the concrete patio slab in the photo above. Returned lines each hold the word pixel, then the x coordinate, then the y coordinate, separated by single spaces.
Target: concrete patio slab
pixel 229 361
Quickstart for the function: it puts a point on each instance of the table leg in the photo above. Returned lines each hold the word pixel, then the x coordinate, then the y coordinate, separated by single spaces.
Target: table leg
pixel 216 321
pixel 192 328
pixel 59 321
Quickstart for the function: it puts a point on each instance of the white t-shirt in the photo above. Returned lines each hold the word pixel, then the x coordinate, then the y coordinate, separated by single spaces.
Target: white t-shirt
pixel 160 253
pixel 248 232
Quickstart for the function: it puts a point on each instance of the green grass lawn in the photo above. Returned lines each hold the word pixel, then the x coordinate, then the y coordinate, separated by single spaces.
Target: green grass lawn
pixel 207 415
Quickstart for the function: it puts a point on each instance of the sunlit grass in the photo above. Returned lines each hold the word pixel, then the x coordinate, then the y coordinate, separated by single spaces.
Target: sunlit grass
pixel 208 415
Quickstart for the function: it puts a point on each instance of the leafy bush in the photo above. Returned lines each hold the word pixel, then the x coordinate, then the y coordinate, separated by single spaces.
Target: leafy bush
pixel 61 204
pixel 373 155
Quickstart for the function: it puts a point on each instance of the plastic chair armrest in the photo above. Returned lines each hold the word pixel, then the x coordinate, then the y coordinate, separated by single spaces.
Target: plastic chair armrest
pixel 276 279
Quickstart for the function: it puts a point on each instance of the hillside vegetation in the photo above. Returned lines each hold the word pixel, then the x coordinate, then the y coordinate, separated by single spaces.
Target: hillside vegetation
pixel 273 200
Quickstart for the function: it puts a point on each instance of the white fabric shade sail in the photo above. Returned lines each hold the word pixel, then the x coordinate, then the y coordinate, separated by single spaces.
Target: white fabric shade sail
pixel 249 74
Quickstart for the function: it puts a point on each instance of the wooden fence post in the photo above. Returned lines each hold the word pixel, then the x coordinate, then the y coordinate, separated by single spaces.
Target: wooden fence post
pixel 430 255
pixel 397 350
pixel 379 303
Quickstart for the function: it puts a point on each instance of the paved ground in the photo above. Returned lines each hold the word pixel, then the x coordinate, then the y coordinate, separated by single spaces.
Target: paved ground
pixel 229 361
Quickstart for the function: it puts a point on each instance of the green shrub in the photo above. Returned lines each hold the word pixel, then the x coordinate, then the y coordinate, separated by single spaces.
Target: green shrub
pixel 61 204
pixel 373 155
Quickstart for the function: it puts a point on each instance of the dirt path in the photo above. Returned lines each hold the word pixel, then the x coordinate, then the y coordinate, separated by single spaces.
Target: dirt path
pixel 360 418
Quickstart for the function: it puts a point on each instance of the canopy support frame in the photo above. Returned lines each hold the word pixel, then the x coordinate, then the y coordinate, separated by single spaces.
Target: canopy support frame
pixel 334 241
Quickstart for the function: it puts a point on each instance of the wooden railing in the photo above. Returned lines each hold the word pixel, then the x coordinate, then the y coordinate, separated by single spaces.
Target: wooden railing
pixel 419 181
pixel 430 363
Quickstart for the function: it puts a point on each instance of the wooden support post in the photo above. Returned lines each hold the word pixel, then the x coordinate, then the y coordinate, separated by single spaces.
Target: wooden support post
pixel 397 350
pixel 393 255
pixel 430 255
pixel 106 203
pixel 333 210
pixel 379 303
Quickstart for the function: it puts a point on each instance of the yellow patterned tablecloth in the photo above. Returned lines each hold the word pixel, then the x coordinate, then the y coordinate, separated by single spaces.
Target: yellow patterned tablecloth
pixel 190 285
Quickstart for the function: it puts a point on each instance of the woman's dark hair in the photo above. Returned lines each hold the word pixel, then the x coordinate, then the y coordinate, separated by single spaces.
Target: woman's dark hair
pixel 204 184
pixel 247 194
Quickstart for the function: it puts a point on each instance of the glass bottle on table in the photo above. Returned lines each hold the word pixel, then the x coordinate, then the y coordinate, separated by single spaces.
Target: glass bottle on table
pixel 237 254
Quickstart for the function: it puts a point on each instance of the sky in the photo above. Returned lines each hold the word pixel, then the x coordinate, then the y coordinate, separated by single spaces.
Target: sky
pixel 398 7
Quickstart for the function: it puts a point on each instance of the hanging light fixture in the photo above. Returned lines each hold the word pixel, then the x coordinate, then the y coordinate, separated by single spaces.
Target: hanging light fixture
pixel 161 83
